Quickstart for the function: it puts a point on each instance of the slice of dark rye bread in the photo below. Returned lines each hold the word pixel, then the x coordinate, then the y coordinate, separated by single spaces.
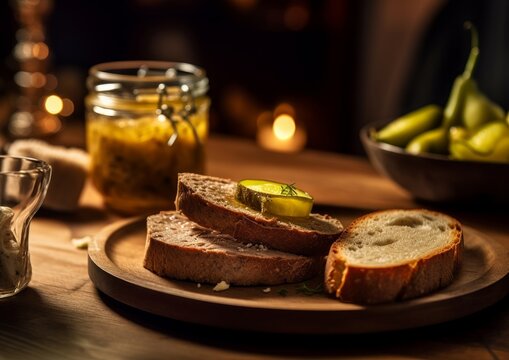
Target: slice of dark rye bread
pixel 394 255
pixel 210 202
pixel 181 249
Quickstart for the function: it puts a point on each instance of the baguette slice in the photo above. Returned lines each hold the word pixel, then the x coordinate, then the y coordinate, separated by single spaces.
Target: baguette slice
pixel 210 202
pixel 394 255
pixel 178 248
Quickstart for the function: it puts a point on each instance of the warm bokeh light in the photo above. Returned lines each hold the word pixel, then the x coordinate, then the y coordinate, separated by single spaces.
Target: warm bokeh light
pixel 264 118
pixel 40 50
pixel 67 108
pixel 244 4
pixel 21 123
pixel 296 16
pixel 53 104
pixel 51 82
pixel 23 79
pixel 284 127
pixel 26 50
pixel 38 80
pixel 23 50
pixel 49 124
pixel 284 108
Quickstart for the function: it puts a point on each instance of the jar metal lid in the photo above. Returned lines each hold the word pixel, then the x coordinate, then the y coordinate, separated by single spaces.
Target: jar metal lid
pixel 143 77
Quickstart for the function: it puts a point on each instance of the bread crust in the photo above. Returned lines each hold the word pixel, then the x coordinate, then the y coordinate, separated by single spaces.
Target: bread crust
pixel 168 257
pixel 273 232
pixel 372 285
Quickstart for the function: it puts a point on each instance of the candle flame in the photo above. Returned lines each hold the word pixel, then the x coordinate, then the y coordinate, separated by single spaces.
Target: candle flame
pixel 284 127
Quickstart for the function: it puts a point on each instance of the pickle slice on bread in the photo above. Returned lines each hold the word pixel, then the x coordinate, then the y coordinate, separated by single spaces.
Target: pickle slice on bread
pixel 271 197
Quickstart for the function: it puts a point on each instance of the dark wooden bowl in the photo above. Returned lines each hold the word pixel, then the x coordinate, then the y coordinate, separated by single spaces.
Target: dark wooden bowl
pixel 438 178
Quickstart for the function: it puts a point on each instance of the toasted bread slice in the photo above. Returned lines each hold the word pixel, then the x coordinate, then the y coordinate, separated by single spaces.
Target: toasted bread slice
pixel 210 202
pixel 393 255
pixel 179 248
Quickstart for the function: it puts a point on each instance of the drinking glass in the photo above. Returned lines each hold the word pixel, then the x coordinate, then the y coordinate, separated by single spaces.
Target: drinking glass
pixel 23 185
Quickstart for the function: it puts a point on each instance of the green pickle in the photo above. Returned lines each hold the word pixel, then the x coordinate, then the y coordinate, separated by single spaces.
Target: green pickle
pixel 271 197
pixel 489 143
pixel 479 110
pixel 487 137
pixel 457 133
pixel 400 131
pixel 432 141
pixel 463 84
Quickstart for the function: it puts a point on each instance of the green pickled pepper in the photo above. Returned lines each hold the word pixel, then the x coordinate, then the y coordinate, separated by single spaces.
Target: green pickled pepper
pixel 467 105
pixel 457 133
pixel 462 151
pixel 437 140
pixel 478 109
pixel 432 141
pixel 400 131
pixel 486 138
pixel 488 143
pixel 453 111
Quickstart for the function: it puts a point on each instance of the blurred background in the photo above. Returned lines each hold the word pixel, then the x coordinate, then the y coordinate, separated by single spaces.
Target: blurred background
pixel 332 65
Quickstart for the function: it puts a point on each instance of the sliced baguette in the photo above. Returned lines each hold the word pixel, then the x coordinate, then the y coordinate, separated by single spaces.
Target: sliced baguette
pixel 210 202
pixel 179 248
pixel 394 255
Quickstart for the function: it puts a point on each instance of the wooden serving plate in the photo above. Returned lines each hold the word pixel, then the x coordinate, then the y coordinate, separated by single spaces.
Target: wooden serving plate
pixel 115 267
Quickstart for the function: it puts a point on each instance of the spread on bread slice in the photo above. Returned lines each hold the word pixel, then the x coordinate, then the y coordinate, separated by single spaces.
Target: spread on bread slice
pixel 181 249
pixel 211 202
pixel 394 255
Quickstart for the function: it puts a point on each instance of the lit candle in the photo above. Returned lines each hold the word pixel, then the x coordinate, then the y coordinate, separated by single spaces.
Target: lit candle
pixel 283 135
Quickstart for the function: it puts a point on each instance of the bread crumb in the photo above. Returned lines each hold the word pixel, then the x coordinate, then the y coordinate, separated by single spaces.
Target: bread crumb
pixel 81 243
pixel 221 286
pixel 266 290
pixel 261 247
pixel 257 247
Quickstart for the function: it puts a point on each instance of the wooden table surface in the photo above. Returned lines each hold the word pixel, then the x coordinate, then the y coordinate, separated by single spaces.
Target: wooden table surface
pixel 62 316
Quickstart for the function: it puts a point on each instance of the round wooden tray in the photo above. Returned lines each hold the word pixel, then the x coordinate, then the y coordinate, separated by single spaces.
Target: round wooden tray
pixel 115 267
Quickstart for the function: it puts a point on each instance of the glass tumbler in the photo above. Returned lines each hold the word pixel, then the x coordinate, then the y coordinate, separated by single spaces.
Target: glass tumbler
pixel 23 186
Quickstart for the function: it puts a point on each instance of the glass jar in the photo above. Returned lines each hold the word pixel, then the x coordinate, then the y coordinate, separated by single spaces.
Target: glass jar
pixel 146 122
